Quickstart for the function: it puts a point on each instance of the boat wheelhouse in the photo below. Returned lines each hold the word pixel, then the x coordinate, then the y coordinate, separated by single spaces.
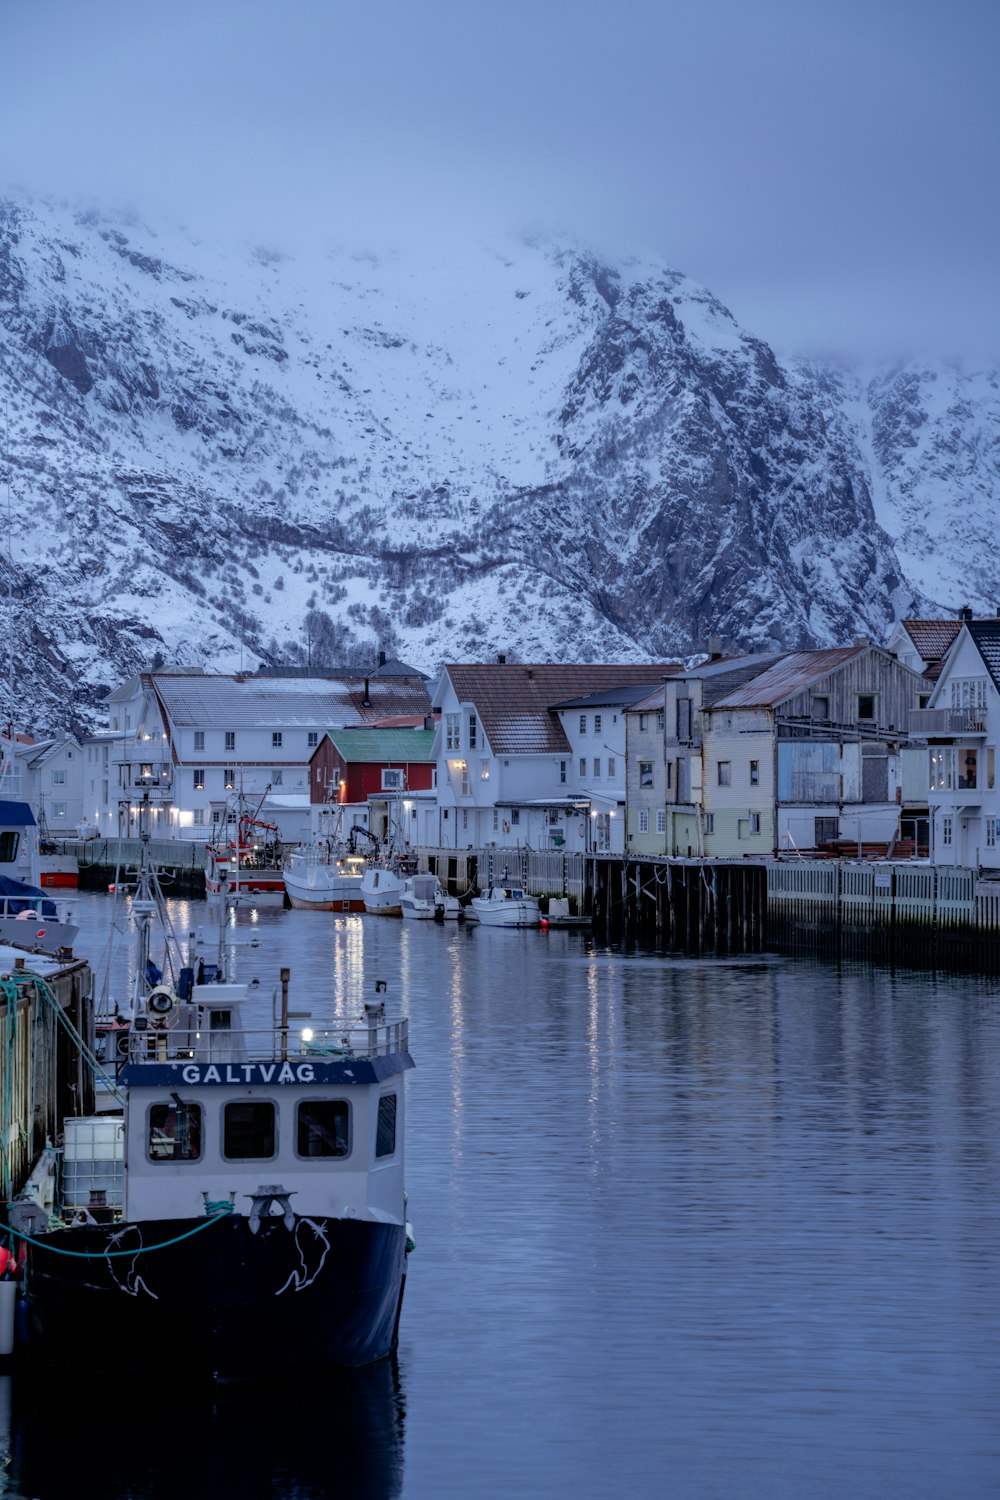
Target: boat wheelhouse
pixel 506 906
pixel 324 877
pixel 259 1224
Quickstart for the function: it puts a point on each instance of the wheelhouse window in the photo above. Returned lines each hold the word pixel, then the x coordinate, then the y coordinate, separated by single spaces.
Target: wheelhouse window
pixel 248 1130
pixel 322 1128
pixel 174 1132
pixel 385 1127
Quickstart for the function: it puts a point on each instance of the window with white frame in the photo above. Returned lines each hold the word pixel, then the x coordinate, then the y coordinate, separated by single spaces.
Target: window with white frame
pixel 465 818
pixel 562 772
pixel 612 767
pixel 643 722
pixel 229 778
pixel 466 784
pixel 710 822
pixel 755 773
pixel 312 739
pixel 58 778
pixel 515 816
pixel 472 731
pixel 725 773
pixel 645 773
pixel 392 780
pixel 597 768
pixel 643 820
pixel 661 820
pixel 199 739
pixel 58 809
pixel 755 822
pixel 597 723
pixel 991 833
pixel 583 766
pixel 583 723
pixel 496 819
pixel 946 829
pixel 968 692
pixel 230 739
pixel 452 731
pixel 276 739
pixel 484 770
pixel 198 778
pixel 278 777
pixel 661 722
pixel 199 816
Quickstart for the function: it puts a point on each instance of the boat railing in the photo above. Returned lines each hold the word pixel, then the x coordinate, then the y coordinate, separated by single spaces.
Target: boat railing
pixel 45 907
pixel 190 1040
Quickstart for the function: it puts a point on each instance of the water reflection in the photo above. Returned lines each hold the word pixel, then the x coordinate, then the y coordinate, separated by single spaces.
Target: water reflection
pixel 684 1227
pixel 340 1436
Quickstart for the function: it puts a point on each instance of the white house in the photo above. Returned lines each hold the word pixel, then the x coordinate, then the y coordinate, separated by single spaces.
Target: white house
pixel 962 727
pixel 50 778
pixel 193 741
pixel 534 754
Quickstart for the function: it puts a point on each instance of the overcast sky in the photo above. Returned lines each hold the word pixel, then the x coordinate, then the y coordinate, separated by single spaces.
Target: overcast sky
pixel 829 168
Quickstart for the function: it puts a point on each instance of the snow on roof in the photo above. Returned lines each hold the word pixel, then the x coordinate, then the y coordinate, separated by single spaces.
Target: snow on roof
pixel 244 702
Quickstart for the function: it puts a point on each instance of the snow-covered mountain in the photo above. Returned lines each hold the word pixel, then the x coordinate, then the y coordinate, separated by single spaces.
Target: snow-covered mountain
pixel 232 457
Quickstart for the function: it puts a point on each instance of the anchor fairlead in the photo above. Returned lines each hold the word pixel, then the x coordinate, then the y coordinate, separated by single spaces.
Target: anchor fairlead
pixel 266 1195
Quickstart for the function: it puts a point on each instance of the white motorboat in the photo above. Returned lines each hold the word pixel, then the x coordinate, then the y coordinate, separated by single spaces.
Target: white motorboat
pixel 422 899
pixel 323 877
pixel 382 887
pixel 506 906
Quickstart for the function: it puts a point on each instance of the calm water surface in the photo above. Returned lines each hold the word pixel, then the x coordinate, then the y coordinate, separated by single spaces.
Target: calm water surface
pixel 684 1228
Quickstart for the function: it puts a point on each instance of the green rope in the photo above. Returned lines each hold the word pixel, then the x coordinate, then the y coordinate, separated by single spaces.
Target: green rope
pixel 109 1254
pixel 25 976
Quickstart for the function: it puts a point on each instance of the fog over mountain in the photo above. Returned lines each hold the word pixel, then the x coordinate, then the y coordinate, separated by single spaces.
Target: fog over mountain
pixel 231 456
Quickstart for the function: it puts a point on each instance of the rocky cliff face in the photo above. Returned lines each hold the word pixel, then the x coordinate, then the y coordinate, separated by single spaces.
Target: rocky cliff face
pixel 231 458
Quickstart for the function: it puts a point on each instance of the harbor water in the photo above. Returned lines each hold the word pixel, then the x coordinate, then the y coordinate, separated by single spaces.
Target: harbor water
pixel 693 1228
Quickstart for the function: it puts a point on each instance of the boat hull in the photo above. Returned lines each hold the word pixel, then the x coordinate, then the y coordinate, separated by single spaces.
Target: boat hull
pixel 319 891
pixel 507 913
pixel 317 902
pixel 323 1294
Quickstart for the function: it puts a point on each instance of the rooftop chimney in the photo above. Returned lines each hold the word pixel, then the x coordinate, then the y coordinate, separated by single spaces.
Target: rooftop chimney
pixel 501 659
pixel 714 647
pixel 366 701
pixel 965 613
pixel 381 658
pixel 428 721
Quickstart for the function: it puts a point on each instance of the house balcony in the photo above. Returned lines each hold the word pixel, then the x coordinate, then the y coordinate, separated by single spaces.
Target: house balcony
pixel 934 723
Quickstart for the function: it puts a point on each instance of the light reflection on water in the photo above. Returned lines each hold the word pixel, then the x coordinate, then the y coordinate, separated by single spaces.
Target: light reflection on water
pixel 687 1228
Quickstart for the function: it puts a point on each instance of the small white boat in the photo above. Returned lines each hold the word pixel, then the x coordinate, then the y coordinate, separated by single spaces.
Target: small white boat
pixel 382 888
pixel 422 899
pixel 506 906
pixel 321 877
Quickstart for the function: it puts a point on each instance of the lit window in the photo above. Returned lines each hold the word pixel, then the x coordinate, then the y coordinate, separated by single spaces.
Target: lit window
pixel 198 777
pixel 58 809
pixel 229 778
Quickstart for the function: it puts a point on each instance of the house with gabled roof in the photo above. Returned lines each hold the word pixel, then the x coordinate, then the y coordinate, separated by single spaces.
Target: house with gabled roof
pixel 365 772
pixel 193 739
pixel 510 746
pixel 805 754
pixel 961 725
pixel 922 645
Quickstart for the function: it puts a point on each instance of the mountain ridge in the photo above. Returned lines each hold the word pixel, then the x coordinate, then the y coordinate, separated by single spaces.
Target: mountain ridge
pixel 228 457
